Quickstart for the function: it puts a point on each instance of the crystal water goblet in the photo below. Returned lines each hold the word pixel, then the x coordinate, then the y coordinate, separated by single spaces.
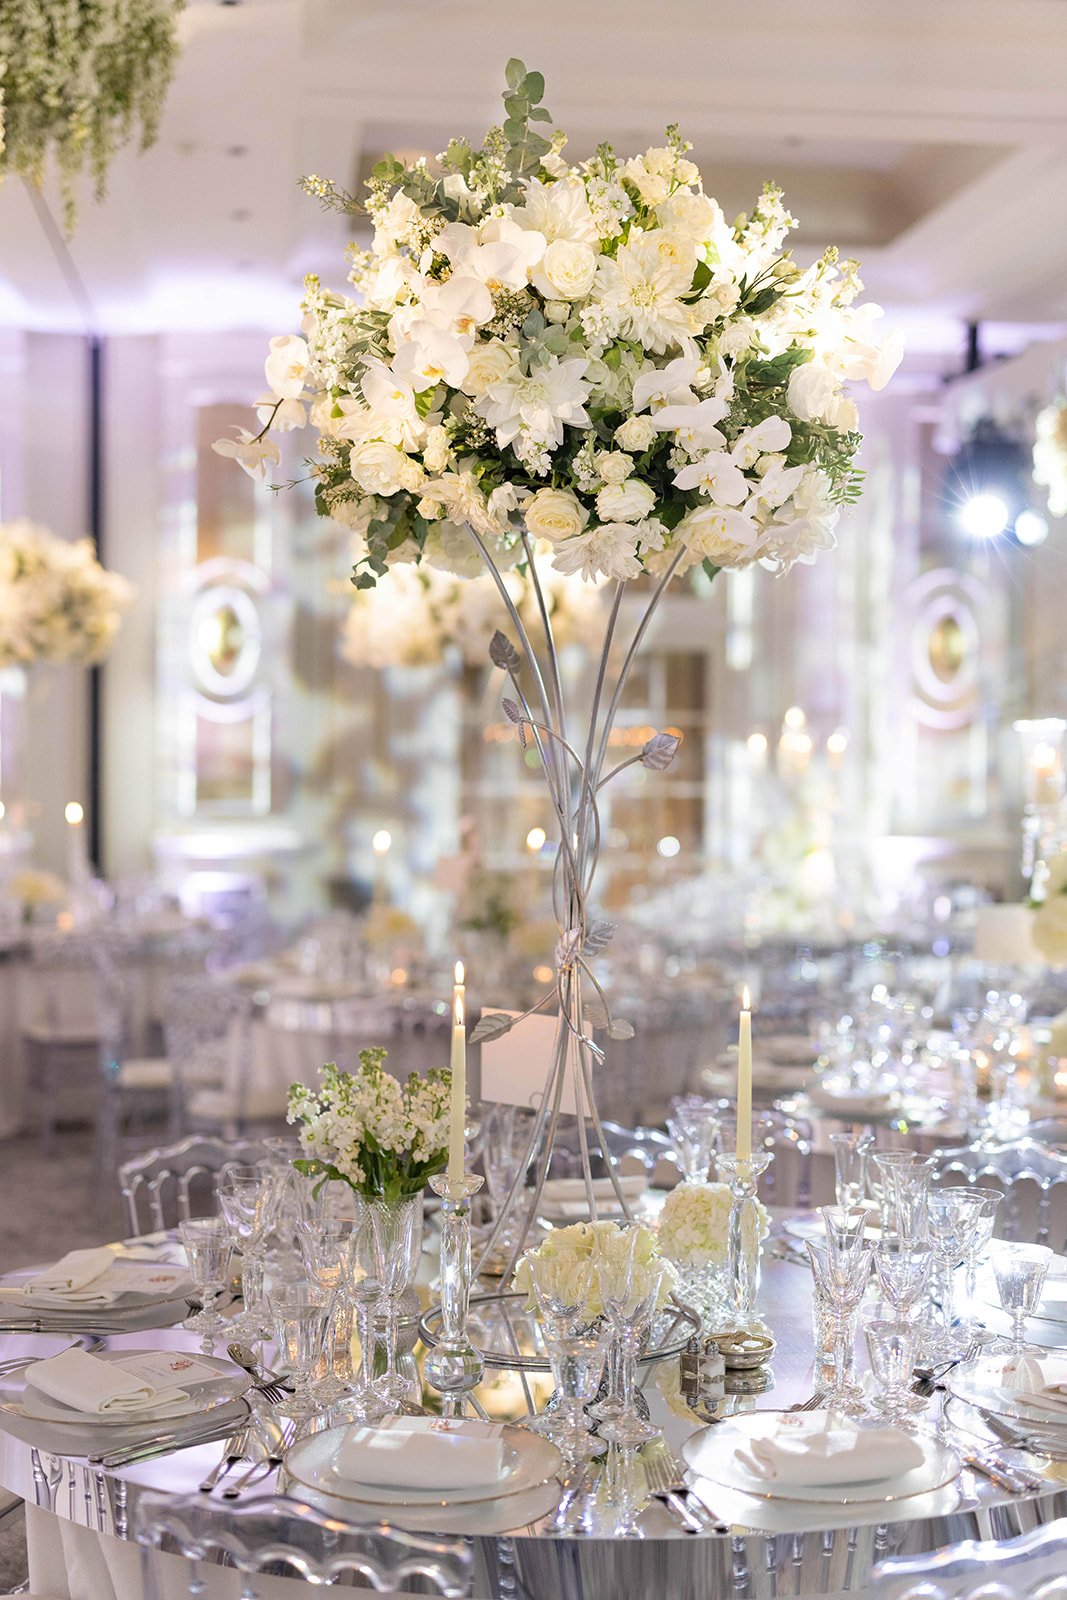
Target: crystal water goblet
pixel 208 1246
pixel 386 1246
pixel 891 1348
pixel 905 1182
pixel 851 1151
pixel 505 1132
pixel 845 1228
pixel 953 1216
pixel 325 1250
pixel 1020 1271
pixel 985 1221
pixel 695 1127
pixel 629 1293
pixel 903 1268
pixel 301 1315
pixel 842 1281
pixel 247 1205
pixel 576 1351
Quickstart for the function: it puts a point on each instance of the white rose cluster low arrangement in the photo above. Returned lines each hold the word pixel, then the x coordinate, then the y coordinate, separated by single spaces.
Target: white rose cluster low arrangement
pixel 57 603
pixel 584 353
pixel 626 1261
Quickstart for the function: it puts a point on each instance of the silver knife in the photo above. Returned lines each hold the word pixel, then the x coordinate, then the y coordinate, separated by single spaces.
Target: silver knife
pixel 163 1443
pixel 1003 1477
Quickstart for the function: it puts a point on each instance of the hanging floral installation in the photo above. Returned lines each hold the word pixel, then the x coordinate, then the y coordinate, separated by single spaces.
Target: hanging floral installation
pixel 76 77
pixel 1050 456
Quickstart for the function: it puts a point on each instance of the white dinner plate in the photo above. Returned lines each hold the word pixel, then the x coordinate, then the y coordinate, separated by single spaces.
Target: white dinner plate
pixel 988 1384
pixel 712 1454
pixel 204 1396
pixel 130 1300
pixel 529 1461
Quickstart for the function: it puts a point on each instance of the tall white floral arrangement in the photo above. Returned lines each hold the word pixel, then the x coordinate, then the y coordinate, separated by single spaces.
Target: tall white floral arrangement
pixel 57 603
pixel 586 353
pixel 76 76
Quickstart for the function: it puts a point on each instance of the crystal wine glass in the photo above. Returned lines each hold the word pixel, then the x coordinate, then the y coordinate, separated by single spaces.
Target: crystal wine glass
pixel 695 1127
pixel 1020 1271
pixel 841 1282
pixel 629 1292
pixel 891 1348
pixel 301 1314
pixel 325 1250
pixel 850 1167
pixel 953 1216
pixel 247 1205
pixel 208 1247
pixel 576 1352
pixel 903 1269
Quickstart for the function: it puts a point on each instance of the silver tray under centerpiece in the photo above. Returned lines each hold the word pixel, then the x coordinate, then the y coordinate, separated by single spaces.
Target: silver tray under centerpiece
pixel 508 1337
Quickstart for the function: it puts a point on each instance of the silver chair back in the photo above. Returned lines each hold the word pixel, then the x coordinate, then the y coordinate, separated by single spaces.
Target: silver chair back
pixel 292 1540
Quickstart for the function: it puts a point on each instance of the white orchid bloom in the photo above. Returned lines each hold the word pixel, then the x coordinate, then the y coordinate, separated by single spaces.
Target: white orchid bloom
pixel 429 357
pixel 287 366
pixel 716 476
pixel 392 399
pixel 693 426
pixel 250 452
pixel 529 242
pixel 772 434
pixel 461 306
pixel 497 265
pixel 669 385
pixel 776 484
pixel 281 415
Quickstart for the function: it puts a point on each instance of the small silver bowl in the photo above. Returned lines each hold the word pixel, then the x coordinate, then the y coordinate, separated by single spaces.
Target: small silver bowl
pixel 743 1349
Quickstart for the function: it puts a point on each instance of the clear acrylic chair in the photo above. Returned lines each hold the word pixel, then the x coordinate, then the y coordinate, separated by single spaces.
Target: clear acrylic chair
pixel 1029 1567
pixel 172 1184
pixel 133 1087
pixel 646 1148
pixel 788 1179
pixel 1032 1178
pixel 207 1029
pixel 286 1539
pixel 61 1038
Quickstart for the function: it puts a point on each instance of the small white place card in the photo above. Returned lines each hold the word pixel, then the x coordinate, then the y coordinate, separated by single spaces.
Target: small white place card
pixel 515 1068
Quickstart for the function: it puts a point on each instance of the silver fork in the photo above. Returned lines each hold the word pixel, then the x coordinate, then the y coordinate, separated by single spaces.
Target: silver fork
pixel 665 1482
pixel 812 1403
pixel 263 1469
pixel 233 1451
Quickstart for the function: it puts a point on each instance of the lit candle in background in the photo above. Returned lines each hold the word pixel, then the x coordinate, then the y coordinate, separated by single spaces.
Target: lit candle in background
pixel 744 1079
pixel 381 844
pixel 1046 775
pixel 77 859
pixel 458 1124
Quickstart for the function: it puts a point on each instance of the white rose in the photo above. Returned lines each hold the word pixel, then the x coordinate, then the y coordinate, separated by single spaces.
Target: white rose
pixel 487 363
pixel 695 215
pixel 813 391
pixel 614 466
pixel 636 433
pixel 435 450
pixel 376 466
pixel 556 310
pixel 566 270
pixel 411 475
pixel 652 187
pixel 625 502
pixel 555 514
pixel 843 415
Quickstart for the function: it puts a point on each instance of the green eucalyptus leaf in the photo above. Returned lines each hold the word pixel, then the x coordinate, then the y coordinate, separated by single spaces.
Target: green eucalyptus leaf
pixel 533 86
pixel 514 73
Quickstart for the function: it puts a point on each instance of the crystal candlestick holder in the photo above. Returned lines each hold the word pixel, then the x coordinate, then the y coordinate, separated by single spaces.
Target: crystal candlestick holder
pixel 743 1173
pixel 454 1366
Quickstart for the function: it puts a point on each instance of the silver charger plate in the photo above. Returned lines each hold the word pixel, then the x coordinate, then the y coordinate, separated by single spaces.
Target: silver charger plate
pixel 712 1455
pixel 203 1397
pixel 530 1462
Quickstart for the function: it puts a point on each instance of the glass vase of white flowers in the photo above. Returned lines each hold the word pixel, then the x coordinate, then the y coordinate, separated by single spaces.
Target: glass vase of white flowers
pixel 385 1140
pixel 694 1227
pixel 587 355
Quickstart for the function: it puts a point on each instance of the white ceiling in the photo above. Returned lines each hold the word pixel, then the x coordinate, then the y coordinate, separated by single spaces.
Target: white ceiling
pixel 930 139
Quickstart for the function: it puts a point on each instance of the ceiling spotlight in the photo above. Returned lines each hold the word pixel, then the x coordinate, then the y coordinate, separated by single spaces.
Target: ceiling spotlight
pixel 985 486
pixel 983 516
pixel 1031 528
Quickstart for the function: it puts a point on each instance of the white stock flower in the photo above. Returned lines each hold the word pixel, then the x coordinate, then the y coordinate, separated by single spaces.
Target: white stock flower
pixel 625 502
pixel 609 551
pixel 555 514
pixel 657 172
pixel 286 367
pixel 566 270
pixel 255 455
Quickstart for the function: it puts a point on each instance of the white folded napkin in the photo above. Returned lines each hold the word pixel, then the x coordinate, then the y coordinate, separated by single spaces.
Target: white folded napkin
pixel 422 1453
pixel 98 1387
pixel 825 1448
pixel 99 1281
pixel 565 1191
pixel 71 1273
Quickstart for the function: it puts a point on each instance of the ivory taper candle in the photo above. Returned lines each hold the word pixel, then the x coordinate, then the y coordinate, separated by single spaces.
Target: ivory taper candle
pixel 458 1123
pixel 744 1079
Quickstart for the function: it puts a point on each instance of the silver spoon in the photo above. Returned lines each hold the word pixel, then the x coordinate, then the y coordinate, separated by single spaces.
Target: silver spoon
pixel 266 1381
